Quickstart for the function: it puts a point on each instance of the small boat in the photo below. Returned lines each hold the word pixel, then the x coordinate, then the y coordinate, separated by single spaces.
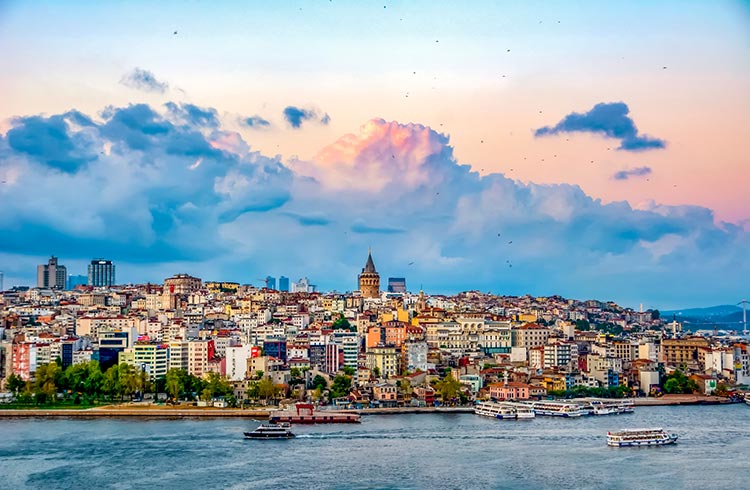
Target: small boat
pixel 640 437
pixel 271 431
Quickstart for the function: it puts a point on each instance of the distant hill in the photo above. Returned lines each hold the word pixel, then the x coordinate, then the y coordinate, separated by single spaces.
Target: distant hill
pixel 708 312
pixel 723 316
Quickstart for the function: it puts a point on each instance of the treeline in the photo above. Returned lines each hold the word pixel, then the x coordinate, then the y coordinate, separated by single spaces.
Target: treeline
pixel 85 383
pixel 619 391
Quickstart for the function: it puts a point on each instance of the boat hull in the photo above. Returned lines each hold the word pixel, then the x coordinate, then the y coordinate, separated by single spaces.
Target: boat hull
pixel 250 435
pixel 660 442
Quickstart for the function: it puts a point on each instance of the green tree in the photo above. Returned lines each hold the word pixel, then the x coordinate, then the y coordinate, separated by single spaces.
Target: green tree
pixel 341 386
pixel 404 386
pixel 266 389
pixel 448 388
pixel 174 383
pixel 319 382
pixel 15 384
pixel 348 370
pixel 111 384
pixel 341 323
pixel 376 371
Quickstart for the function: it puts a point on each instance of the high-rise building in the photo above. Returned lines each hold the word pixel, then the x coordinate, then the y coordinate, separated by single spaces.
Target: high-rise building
pixel 369 279
pixel 270 282
pixel 101 273
pixel 396 285
pixel 283 284
pixel 51 275
pixel 303 286
pixel 79 280
pixel 1 282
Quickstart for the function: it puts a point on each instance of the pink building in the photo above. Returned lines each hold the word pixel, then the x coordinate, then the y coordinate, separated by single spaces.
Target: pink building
pixel 509 391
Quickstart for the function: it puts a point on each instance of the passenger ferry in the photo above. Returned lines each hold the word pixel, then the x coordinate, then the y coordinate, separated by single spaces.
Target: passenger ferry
pixel 606 406
pixel 271 431
pixel 557 409
pixel 504 410
pixel 640 437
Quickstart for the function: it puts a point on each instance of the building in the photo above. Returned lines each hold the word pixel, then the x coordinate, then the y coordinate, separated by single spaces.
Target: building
pixel 688 352
pixel 369 279
pixel 284 284
pixel 509 391
pixel 101 273
pixel 303 286
pixel 79 280
pixel 51 275
pixel 236 361
pixel 270 282
pixel 382 359
pixel 199 353
pixel 397 285
pixel 179 354
pixel 152 358
pixel 182 284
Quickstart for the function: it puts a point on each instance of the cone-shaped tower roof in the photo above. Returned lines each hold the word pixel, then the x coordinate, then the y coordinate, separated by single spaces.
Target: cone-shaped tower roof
pixel 370 265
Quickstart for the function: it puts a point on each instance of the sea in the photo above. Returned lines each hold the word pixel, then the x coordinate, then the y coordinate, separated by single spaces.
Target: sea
pixel 415 451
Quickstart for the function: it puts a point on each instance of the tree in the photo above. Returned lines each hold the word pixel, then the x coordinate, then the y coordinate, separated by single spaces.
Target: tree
pixel 341 385
pixel 448 387
pixel 174 383
pixel 655 314
pixel 341 323
pixel 319 382
pixel 111 382
pixel 348 370
pixel 266 389
pixel 404 386
pixel 15 384
pixel 295 376
pixel 376 371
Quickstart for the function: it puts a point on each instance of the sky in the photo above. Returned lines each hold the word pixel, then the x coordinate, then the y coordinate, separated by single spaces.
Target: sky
pixel 587 149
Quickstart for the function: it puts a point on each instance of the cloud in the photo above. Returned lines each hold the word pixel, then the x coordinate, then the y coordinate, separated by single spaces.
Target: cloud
pixel 633 172
pixel 256 122
pixel 194 115
pixel 163 189
pixel 143 80
pixel 608 119
pixel 295 116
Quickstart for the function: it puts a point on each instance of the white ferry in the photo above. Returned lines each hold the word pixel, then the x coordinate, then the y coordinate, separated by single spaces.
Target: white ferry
pixel 558 409
pixel 640 437
pixel 606 406
pixel 504 410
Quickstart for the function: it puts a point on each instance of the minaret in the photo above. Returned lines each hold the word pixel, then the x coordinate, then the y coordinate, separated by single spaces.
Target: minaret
pixel 369 279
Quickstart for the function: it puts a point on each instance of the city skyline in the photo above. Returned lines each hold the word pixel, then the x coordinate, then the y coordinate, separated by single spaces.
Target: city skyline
pixel 502 150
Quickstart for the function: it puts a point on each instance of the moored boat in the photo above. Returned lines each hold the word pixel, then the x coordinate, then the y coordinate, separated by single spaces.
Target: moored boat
pixel 557 409
pixel 640 437
pixel 504 410
pixel 271 431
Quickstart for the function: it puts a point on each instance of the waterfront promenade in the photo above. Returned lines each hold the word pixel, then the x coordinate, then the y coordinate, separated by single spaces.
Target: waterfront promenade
pixel 161 411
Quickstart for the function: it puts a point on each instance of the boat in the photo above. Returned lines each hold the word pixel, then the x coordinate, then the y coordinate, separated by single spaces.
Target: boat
pixel 305 413
pixel 640 437
pixel 271 431
pixel 504 410
pixel 557 409
pixel 605 406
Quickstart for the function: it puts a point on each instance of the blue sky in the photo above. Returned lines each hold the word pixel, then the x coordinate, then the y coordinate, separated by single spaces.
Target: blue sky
pixel 417 129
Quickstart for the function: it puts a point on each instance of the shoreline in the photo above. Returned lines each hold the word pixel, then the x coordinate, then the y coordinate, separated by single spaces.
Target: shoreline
pixel 131 411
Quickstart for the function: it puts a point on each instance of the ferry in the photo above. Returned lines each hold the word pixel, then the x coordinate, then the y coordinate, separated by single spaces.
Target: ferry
pixel 306 413
pixel 557 409
pixel 606 406
pixel 504 410
pixel 271 431
pixel 640 437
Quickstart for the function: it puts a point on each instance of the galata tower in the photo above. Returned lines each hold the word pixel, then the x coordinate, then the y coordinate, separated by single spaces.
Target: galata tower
pixel 369 279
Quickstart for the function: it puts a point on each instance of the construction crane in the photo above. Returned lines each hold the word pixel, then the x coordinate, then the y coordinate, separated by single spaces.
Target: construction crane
pixel 744 316
pixel 264 281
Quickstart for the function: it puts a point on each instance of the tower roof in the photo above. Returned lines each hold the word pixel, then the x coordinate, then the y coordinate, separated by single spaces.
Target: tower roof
pixel 370 265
